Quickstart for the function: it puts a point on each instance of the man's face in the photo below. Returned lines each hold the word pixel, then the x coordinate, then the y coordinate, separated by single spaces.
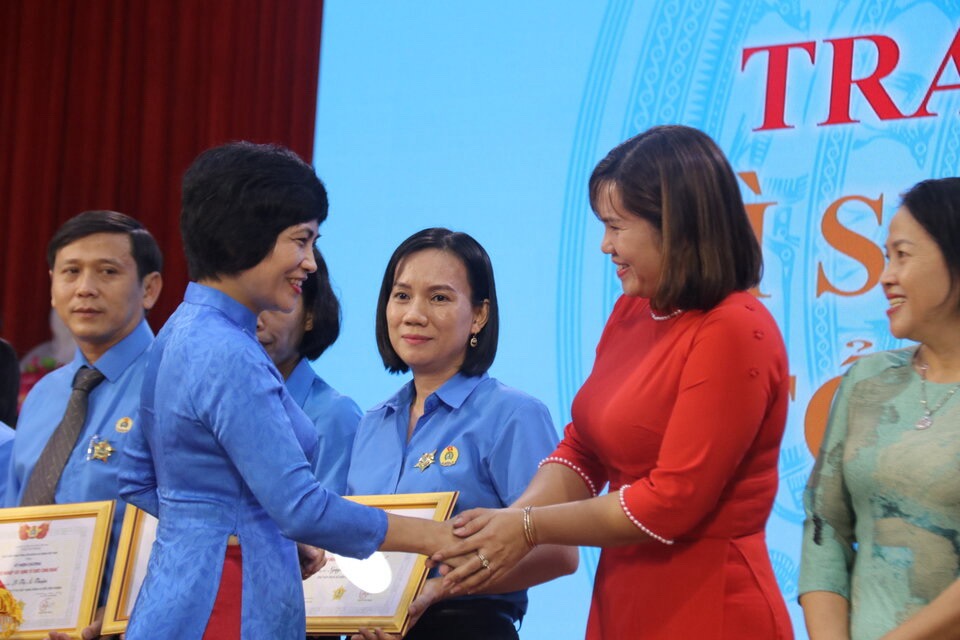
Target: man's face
pixel 97 293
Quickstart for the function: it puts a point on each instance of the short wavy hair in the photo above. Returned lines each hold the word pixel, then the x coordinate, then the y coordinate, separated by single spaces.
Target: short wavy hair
pixel 237 198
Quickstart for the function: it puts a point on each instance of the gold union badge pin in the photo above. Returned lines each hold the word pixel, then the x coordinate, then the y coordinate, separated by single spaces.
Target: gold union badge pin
pixel 124 425
pixel 425 460
pixel 449 456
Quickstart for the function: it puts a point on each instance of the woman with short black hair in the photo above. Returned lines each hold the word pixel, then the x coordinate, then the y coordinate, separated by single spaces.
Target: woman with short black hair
pixel 222 452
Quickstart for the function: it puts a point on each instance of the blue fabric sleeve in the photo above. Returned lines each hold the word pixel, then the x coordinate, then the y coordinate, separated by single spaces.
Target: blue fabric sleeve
pixel 337 428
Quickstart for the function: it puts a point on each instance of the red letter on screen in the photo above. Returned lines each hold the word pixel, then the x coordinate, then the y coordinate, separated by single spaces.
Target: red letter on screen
pixel 953 55
pixel 841 82
pixel 776 92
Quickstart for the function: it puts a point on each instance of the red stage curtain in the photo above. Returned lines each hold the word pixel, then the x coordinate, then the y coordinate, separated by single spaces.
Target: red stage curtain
pixel 104 103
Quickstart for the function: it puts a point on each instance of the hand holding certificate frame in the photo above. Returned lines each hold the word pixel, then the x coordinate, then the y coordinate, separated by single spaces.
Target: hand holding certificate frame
pixel 343 597
pixel 336 599
pixel 51 559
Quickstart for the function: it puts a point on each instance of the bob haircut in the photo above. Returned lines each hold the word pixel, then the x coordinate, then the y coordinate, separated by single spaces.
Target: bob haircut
pixel 482 287
pixel 143 247
pixel 237 198
pixel 935 204
pixel 678 180
pixel 321 303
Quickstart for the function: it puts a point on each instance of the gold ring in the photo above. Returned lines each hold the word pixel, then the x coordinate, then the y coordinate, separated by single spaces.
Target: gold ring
pixel 483 560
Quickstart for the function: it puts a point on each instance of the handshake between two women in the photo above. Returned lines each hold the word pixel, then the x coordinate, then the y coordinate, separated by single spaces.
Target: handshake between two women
pixel 479 554
pixel 490 544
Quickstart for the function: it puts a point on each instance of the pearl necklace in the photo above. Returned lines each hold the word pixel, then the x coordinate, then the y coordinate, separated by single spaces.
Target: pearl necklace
pixel 926 420
pixel 666 316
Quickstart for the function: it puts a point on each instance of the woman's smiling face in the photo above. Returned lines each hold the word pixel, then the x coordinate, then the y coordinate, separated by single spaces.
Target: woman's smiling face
pixel 276 282
pixel 916 281
pixel 633 244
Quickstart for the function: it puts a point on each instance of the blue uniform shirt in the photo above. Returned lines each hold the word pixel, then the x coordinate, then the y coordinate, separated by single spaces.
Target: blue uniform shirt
pixel 486 439
pixel 112 411
pixel 335 416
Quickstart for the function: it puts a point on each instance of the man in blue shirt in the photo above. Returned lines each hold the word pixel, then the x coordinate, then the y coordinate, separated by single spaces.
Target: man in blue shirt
pixel 105 275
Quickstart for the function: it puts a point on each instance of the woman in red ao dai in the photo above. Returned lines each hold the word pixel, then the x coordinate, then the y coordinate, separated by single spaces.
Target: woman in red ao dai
pixel 682 415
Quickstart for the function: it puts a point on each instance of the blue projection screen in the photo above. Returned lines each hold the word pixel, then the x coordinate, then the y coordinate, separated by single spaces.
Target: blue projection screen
pixel 489 117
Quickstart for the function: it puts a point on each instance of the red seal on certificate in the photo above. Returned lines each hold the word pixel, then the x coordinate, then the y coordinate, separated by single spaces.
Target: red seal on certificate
pixel 34 531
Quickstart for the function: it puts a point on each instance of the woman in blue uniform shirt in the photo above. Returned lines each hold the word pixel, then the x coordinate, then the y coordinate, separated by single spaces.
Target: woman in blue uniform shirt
pixel 292 340
pixel 452 427
pixel 222 451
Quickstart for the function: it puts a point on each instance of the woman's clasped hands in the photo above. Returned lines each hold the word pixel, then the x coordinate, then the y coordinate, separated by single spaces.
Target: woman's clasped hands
pixel 492 542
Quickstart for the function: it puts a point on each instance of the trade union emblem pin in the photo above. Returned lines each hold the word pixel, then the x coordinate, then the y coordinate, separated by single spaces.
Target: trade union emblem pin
pixel 449 456
pixel 124 425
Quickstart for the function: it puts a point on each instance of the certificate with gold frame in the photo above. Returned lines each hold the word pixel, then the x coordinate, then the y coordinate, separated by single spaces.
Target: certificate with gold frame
pixel 51 560
pixel 347 595
pixel 133 552
pixel 341 598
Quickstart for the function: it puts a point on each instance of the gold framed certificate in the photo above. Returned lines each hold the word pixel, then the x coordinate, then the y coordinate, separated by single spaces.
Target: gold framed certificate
pixel 130 568
pixel 342 597
pixel 374 593
pixel 51 559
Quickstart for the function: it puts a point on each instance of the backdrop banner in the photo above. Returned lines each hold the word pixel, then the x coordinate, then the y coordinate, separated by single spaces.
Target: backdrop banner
pixel 489 117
